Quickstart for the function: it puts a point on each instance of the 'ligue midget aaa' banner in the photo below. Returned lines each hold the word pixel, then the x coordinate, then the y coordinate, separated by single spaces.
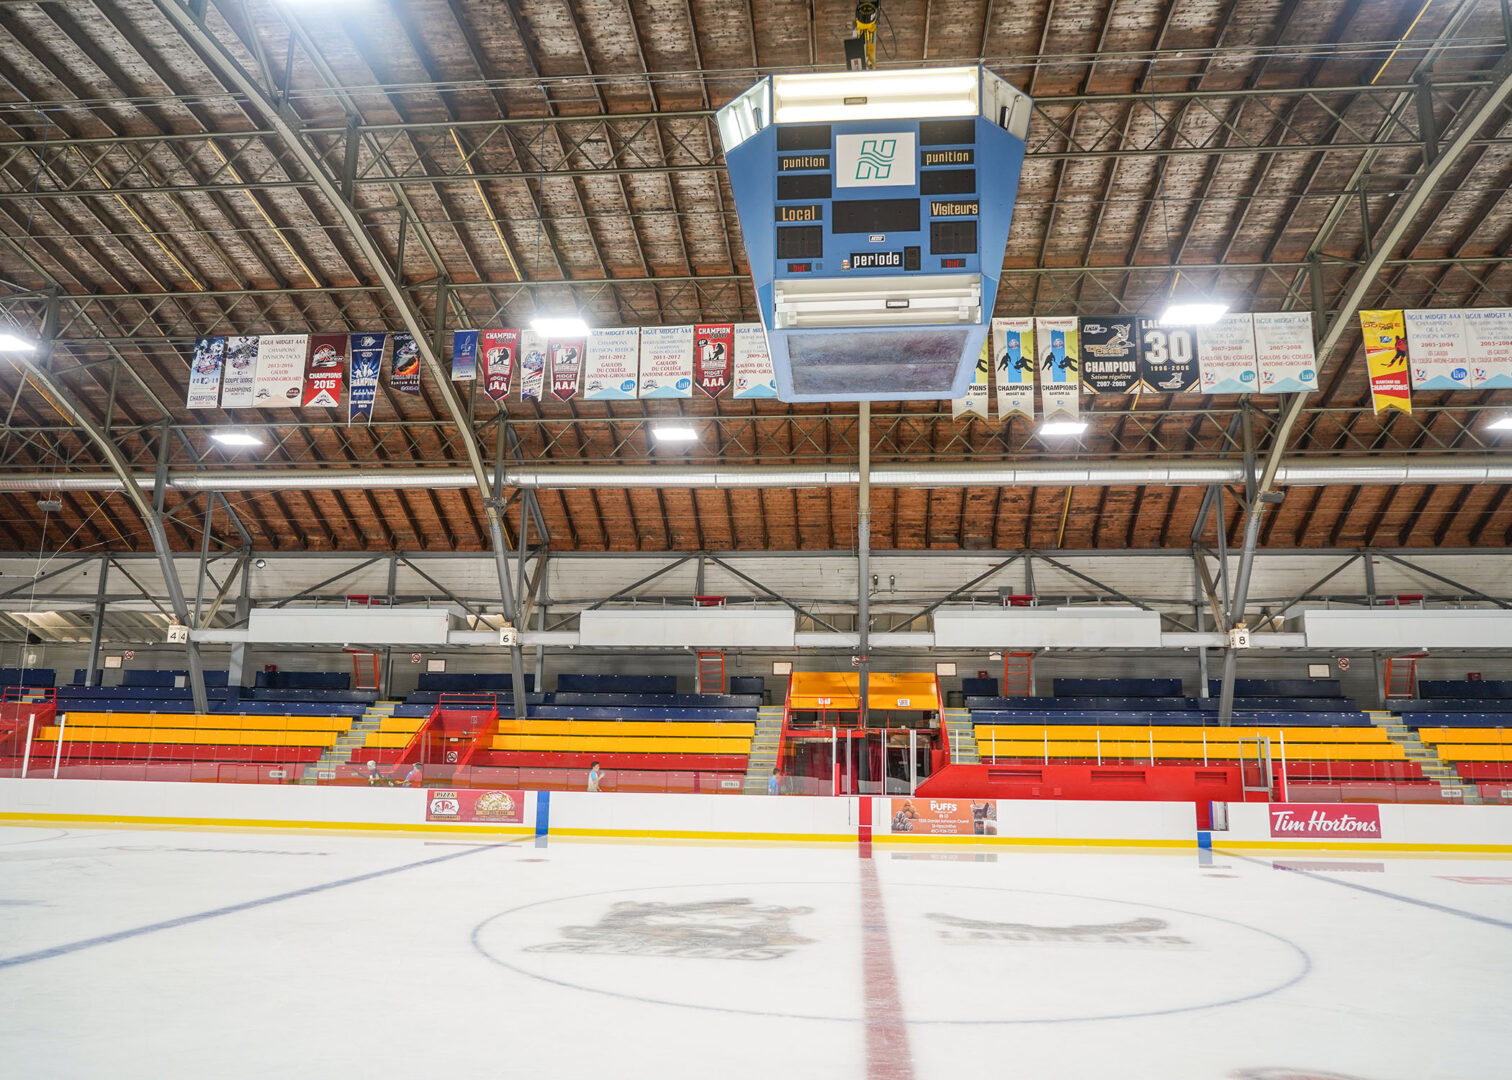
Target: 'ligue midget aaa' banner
pixel 470 804
pixel 944 817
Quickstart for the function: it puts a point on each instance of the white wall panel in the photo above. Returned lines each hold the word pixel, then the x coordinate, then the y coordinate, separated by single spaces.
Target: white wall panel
pixel 738 627
pixel 1078 628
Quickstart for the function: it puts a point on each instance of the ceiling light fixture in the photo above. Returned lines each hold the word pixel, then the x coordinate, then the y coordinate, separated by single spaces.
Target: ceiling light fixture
pixel 675 434
pixel 12 343
pixel 1063 427
pixel 1501 423
pixel 560 326
pixel 236 438
pixel 1193 313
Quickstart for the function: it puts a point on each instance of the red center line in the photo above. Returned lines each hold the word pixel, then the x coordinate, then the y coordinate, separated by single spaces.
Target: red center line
pixel 888 1056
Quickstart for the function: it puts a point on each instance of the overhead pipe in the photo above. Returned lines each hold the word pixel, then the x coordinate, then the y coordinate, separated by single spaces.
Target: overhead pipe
pixel 1351 471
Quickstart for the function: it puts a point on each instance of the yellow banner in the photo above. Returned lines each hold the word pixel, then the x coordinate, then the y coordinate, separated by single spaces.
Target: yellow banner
pixel 1386 360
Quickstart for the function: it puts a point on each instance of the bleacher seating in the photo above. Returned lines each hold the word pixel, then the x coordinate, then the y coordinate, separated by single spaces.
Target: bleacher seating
pixel 1279 688
pixel 139 678
pixel 1476 753
pixel 616 684
pixel 985 688
pixel 470 682
pixel 1452 689
pixel 303 680
pixel 748 684
pixel 1117 688
pixel 34 677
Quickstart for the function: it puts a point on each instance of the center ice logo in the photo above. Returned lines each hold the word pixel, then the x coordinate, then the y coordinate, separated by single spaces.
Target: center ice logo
pixel 714 929
pixel 875 161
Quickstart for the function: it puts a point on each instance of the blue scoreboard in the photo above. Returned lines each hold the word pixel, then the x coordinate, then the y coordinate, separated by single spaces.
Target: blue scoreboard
pixel 875 207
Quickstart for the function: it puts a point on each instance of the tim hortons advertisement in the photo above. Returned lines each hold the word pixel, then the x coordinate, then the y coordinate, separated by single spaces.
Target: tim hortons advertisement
pixel 945 817
pixel 1325 821
pixel 467 804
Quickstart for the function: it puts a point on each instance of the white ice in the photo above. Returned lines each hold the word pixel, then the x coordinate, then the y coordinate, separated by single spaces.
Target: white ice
pixel 462 959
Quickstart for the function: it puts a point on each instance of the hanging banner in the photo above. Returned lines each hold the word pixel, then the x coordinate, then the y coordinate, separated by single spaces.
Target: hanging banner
pixel 498 348
pixel 367 363
pixel 1386 359
pixel 610 367
pixel 205 368
pixel 976 401
pixel 1056 339
pixel 1013 343
pixel 1440 353
pixel 1488 340
pixel 464 355
pixel 324 371
pixel 1284 352
pixel 240 381
pixel 566 366
pixel 532 365
pixel 1226 355
pixel 754 377
pixel 1167 358
pixel 280 370
pixel 711 357
pixel 1110 355
pixel 666 362
pixel 404 371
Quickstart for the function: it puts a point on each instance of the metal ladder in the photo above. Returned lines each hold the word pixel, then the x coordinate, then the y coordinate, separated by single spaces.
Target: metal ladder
pixel 1451 786
pixel 348 741
pixel 962 734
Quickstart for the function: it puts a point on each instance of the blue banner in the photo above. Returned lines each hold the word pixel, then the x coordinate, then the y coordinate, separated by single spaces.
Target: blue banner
pixel 464 355
pixel 367 362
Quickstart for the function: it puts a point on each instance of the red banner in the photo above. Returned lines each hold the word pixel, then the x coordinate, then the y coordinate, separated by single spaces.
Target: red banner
pixel 713 352
pixel 496 350
pixel 945 817
pixel 498 807
pixel 1306 821
pixel 324 369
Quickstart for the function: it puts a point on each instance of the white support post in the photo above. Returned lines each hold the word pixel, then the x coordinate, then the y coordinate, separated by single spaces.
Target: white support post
pixel 1282 733
pixel 1098 736
pixel 913 760
pixel 58 753
pixel 994 745
pixel 1047 746
pixel 1152 746
pixel 1204 747
pixel 31 719
pixel 834 761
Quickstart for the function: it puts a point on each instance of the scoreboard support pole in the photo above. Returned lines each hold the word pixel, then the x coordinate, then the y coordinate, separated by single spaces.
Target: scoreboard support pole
pixel 863 552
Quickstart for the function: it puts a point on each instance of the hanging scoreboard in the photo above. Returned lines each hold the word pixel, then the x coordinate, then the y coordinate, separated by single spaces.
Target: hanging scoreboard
pixel 875 208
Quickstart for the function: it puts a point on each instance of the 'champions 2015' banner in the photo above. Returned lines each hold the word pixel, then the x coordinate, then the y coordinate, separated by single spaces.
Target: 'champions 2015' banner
pixel 324 371
pixel 367 365
pixel 498 349
pixel 1059 365
pixel 612 363
pixel 713 345
pixel 976 402
pixel 1386 359
pixel 205 368
pixel 754 377
pixel 1013 345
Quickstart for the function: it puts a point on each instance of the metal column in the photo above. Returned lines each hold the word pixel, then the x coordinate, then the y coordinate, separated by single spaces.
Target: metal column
pixel 863 553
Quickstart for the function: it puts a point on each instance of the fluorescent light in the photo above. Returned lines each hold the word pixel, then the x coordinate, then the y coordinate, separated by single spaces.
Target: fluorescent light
pixel 675 434
pixel 894 84
pixel 1501 423
pixel 1063 427
pixel 12 343
pixel 236 438
pixel 1193 313
pixel 560 326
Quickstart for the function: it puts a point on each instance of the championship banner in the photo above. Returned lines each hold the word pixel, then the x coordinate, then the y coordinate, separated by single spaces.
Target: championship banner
pixel 1013 343
pixel 404 371
pixel 1167 358
pixel 754 377
pixel 975 403
pixel 367 364
pixel 1284 352
pixel 1488 337
pixel 239 383
pixel 1110 355
pixel 1385 334
pixel 472 804
pixel 280 370
pixel 712 357
pixel 1056 339
pixel 566 366
pixel 464 355
pixel 498 348
pixel 666 362
pixel 532 365
pixel 1226 356
pixel 944 817
pixel 1440 353
pixel 324 371
pixel 205 369
pixel 611 365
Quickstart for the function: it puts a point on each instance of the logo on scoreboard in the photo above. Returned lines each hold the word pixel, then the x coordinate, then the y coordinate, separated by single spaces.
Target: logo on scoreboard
pixel 882 159
pixel 875 260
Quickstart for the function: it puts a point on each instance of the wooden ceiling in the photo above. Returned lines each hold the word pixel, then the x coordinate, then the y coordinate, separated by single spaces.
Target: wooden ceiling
pixel 533 154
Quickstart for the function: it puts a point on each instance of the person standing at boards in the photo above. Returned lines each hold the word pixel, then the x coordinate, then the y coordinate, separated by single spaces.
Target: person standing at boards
pixel 595 777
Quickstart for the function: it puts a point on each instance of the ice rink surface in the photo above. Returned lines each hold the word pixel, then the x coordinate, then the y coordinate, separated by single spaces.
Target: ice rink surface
pixel 245 954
